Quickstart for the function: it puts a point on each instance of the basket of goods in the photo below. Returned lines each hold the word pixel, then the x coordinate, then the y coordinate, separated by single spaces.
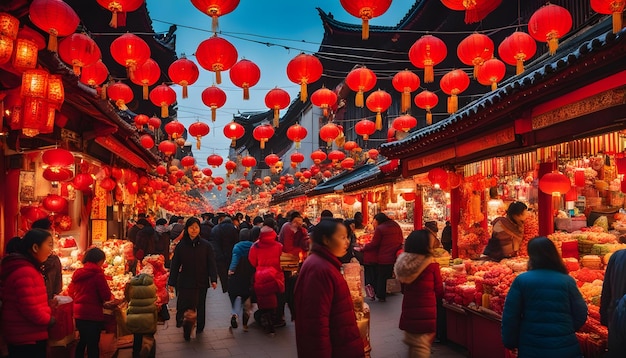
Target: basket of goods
pixel 591 261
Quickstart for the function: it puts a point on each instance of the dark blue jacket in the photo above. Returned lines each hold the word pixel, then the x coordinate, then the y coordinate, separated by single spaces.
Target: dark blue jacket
pixel 542 312
pixel 614 286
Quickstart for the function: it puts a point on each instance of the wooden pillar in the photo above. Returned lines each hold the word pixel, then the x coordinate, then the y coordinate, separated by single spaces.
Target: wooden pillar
pixel 418 209
pixel 455 219
pixel 364 208
pixel 545 210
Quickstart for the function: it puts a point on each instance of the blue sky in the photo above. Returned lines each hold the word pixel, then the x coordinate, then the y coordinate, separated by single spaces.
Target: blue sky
pixel 295 20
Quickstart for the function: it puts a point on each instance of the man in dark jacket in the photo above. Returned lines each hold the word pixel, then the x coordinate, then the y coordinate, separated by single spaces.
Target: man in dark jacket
pixel 223 238
pixel 613 289
pixel 206 226
pixel 146 240
pixel 446 237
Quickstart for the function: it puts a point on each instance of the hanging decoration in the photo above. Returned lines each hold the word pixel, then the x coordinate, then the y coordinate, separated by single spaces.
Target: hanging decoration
pixel 296 133
pixel 427 52
pixel 174 129
pixel 245 74
pixel 610 7
pixel 366 10
pixel 438 177
pixel 27 46
pixel 318 156
pixel 184 73
pixel 147 141
pixel 271 159
pixel 405 82
pixel 57 158
pixel 263 133
pixel 140 120
pixel 34 93
pixel 146 75
pixel 347 163
pixel 207 171
pixel 360 80
pixel 215 9
pixel 555 184
pixel 230 167
pixel 154 123
pixel 118 9
pixel 296 159
pixel 475 10
pixel 167 147
pixel 55 17
pixel 365 128
pixel 277 99
pixel 216 55
pixel 491 72
pixel 198 130
pixel 248 162
pixel 404 123
pixel 336 156
pixel 372 154
pixel 83 182
pixel 548 24
pixel 427 100
pixel 303 70
pixel 188 161
pixel 214 98
pixel 95 74
pixel 516 49
pixel 350 146
pixel 234 131
pixel 163 96
pixel 54 203
pixel 453 83
pixel 474 50
pixel 329 132
pixel 214 160
pixel 9 27
pixel 378 102
pixel 324 99
pixel 130 51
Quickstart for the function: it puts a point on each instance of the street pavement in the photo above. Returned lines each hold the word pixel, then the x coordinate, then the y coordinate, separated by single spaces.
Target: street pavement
pixel 218 340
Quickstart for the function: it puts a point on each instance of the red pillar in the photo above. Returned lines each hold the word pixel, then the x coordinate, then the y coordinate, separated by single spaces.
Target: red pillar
pixel 455 218
pixel 418 209
pixel 485 223
pixel 545 212
pixel 364 208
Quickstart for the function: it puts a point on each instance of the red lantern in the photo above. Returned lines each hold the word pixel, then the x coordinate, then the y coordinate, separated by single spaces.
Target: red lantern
pixel 324 98
pixel 234 131
pixel 427 100
pixel 27 46
pixel 329 132
pixel 55 17
pixel 474 50
pixel 82 181
pixel 215 9
pixel 304 69
pixel 365 128
pixel 107 184
pixel 121 7
pixel 179 174
pixel 167 147
pixel 517 48
pixel 366 10
pixel 571 195
pixel 216 55
pixel 94 74
pixel 453 83
pixel 163 96
pixel 405 82
pixel 263 133
pixel 153 123
pixel 140 121
pixel 549 24
pixel 307 174
pixel 161 170
pixel 174 129
pixel 271 160
pixel 296 159
pixel 404 123
pixel 188 161
pixel 214 98
pixel 218 180
pixel 377 102
pixel 277 99
pixel 318 156
pixel 372 154
pixel 244 184
pixel 79 50
pixel 336 156
pixel 427 52
pixel 57 174
pixel 610 7
pixel 245 74
pixel 475 10
pixel 214 160
pixel 296 133
pixel 55 203
pixel 555 184
pixel 207 171
pixel 360 80
pixel 146 141
pixel 9 27
pixel 438 177
pixel 130 51
pixel 121 94
pixel 57 158
pixel 327 174
pixel 347 163
pixel 198 130
pixel 146 75
pixel 248 162
pixel 184 73
pixel 230 166
pixel 350 146
pixel 491 72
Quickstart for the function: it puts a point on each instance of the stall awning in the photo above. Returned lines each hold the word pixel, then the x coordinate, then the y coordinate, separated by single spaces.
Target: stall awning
pixel 374 178
pixel 337 183
pixel 290 194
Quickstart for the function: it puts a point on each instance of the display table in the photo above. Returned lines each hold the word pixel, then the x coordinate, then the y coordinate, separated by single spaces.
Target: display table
pixel 477 331
pixel 456 322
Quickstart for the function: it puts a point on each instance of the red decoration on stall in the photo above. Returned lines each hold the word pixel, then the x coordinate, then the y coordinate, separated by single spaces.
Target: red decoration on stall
pixel 234 131
pixel 378 102
pixel 365 10
pixel 263 133
pixel 491 72
pixel 372 154
pixel 579 176
pixel 79 50
pixel 347 163
pixel 336 156
pixel 318 156
pixel 188 161
pixel 516 49
pixel 57 158
pixel 174 129
pixel 365 128
pixel 198 130
pixel 438 176
pixel 350 146
pixel 163 96
pixel 548 24
pixel 161 170
pixel 304 69
pixel 361 80
pixel 610 7
pixel 245 74
pixel 121 94
pixel 57 174
pixel 324 98
pixel 230 166
pixel 107 184
pixel 296 159
pixel 427 52
pixel 82 181
pixel 452 84
pixel 427 100
pixel 167 147
pixel 405 82
pixel 93 75
pixel 207 171
pixel 147 141
pixel 55 17
pixel 296 133
pixel 9 27
pixel 184 73
pixel 475 10
pixel 474 50
pixel 54 203
pixel 214 160
pixel 140 120
pixel 146 75
pixel 119 8
pixel 248 162
pixel 404 123
pixel 555 184
pixel 214 98
pixel 277 99
pixel 27 46
pixel 329 132
pixel 307 174
pixel 130 51
pixel 216 55
pixel 215 9
pixel 154 123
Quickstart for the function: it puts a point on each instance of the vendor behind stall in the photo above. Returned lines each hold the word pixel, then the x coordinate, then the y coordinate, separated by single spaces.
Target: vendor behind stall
pixel 508 233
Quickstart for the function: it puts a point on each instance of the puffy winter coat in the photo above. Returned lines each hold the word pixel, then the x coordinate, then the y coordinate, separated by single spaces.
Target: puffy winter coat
pixel 141 316
pixel 422 287
pixel 386 242
pixel 90 291
pixel 294 242
pixel 223 238
pixel 325 322
pixel 614 286
pixel 25 312
pixel 542 312
pixel 240 282
pixel 193 264
pixel 269 280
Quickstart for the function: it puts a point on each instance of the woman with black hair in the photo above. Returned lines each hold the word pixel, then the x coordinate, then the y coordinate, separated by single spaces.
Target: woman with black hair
pixel 508 233
pixel 325 321
pixel 544 308
pixel 193 271
pixel 25 314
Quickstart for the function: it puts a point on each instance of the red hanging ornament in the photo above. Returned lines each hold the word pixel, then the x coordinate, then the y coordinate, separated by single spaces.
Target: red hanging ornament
pixel 427 52
pixel 214 98
pixel 427 100
pixel 207 171
pixel 360 80
pixel 296 133
pixel 516 49
pixel 55 17
pixel 79 50
pixel 491 72
pixel 130 51
pixel 230 167
pixel 121 94
pixel 27 46
pixel 216 55
pixel 94 74
pixel 378 102
pixel 318 156
pixel 475 10
pixel 120 7
pixel 555 184
pixel 57 158
pixel 57 174
pixel 350 146
pixel 277 99
pixel 372 154
pixel 167 147
pixel 174 129
pixel 474 50
pixel 324 98
pixel 54 203
pixel 438 176
pixel 107 184
pixel 365 128
pixel 234 131
pixel 548 24
pixel 184 73
pixel 610 7
pixel 271 160
pixel 347 163
pixel 452 84
pixel 329 132
pixel 82 181
pixel 188 161
pixel 140 121
pixel 404 123
pixel 304 69
pixel 9 28
pixel 146 141
pixel 214 160
pixel 263 133
pixel 198 130
pixel 146 75
pixel 336 156
pixel 296 159
pixel 248 162
pixel 154 123
pixel 245 74
pixel 366 10
pixel 163 96
pixel 405 82
pixel 215 9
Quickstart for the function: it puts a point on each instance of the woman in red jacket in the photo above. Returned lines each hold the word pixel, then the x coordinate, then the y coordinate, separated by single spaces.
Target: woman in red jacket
pixel 386 242
pixel 422 287
pixel 325 321
pixel 268 278
pixel 25 313
pixel 90 292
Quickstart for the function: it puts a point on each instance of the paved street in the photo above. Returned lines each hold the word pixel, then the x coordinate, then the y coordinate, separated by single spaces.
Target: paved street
pixel 217 340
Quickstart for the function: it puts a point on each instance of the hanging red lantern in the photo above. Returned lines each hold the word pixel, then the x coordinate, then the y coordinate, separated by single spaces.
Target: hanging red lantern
pixel 207 171
pixel 248 162
pixel 9 27
pixel 234 131
pixel 94 74
pixel 427 100
pixel 555 184
pixel 404 123
pixel 366 10
pixel 216 55
pixel 167 147
pixel 82 181
pixel 452 84
pixel 174 129
pixel 405 82
pixel 198 130
pixel 79 50
pixel 130 51
pixel 378 102
pixel 54 203
pixel 55 17
pixel 491 72
pixel 188 161
pixel 296 159
pixel 307 174
pixel 347 163
pixel 474 50
pixel 27 46
pixel 140 121
pixel 107 184
pixel 610 7
pixel 318 156
pixel 271 160
pixel 163 96
pixel 304 69
pixel 296 133
pixel 214 98
pixel 179 174
pixel 427 52
pixel 365 128
pixel 336 156
pixel 161 170
pixel 146 75
pixel 245 74
pixel 120 7
pixel 146 141
pixel 263 133
pixel 438 176
pixel 215 9
pixel 121 94
pixel 548 24
pixel 324 98
pixel 214 160
pixel 218 180
pixel 349 146
pixel 230 167
pixel 329 132
pixel 516 49
pixel 327 174
pixel 372 154
pixel 475 10
pixel 57 158
pixel 57 174
pixel 154 123
pixel 360 80
pixel 244 184
pixel 184 73
pixel 277 99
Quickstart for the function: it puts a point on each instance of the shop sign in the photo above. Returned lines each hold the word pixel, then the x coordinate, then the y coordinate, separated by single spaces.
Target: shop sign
pixel 99 203
pixel 431 159
pixel 98 231
pixel 121 151
pixel 489 141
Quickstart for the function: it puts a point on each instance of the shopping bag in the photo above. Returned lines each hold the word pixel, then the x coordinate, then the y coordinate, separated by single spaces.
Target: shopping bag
pixel 393 286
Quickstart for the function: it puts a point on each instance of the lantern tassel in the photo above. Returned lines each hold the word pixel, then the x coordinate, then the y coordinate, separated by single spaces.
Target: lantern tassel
pixel 617 22
pixel 276 117
pixel 429 118
pixel 262 144
pixel 198 142
pixel 429 74
pixel 121 105
pixel 358 100
pixel 233 143
pixel 213 114
pixel 325 112
pixel 476 69
pixel 145 91
pixel 103 91
pixel 366 137
pixel 185 91
pixel 453 103
pixel 246 93
pixel 303 91
pixel 553 44
pixel 365 32
pixel 53 42
pixel 519 69
pixel 297 145
pixel 218 77
pixel 76 69
pixel 494 86
pixel 379 121
pixel 164 111
pixel 214 24
pixel 113 22
pixel 406 101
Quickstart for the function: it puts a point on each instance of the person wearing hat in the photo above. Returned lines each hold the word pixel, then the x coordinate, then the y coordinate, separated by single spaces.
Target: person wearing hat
pixel 433 230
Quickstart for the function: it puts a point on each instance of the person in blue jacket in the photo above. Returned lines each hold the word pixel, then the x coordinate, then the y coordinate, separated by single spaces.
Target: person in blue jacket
pixel 543 309
pixel 612 315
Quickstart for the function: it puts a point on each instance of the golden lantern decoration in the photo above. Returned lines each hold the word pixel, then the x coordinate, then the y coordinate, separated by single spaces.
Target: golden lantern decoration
pixel 27 46
pixel 9 26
